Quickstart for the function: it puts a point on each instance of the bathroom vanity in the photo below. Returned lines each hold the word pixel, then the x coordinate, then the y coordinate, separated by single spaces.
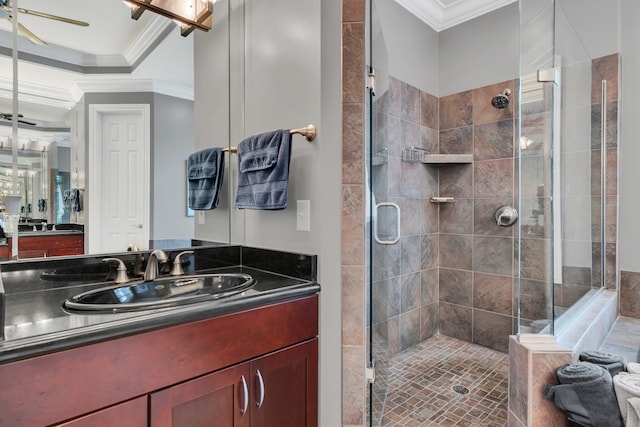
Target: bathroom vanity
pixel 246 360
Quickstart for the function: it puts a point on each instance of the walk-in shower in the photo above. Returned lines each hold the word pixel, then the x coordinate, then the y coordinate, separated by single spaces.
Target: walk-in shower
pixel 506 109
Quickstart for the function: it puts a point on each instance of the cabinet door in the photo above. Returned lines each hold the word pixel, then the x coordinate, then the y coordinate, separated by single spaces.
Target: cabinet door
pixel 128 414
pixel 219 399
pixel 285 387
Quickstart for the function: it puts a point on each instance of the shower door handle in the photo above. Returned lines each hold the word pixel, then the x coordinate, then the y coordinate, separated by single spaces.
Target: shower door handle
pixel 375 225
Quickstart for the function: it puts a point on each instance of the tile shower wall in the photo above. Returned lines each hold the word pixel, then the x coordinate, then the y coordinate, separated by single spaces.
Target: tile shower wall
pixel 405 275
pixel 452 270
pixel 476 256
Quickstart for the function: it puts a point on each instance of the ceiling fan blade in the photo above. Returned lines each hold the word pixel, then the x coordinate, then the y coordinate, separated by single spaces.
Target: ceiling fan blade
pixel 54 17
pixel 28 34
pixel 26 122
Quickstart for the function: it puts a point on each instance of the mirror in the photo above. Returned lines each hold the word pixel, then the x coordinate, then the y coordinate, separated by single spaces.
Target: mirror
pixel 72 84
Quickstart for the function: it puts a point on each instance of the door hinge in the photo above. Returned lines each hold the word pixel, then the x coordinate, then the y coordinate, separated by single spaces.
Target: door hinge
pixel 371 82
pixel 549 75
pixel 370 373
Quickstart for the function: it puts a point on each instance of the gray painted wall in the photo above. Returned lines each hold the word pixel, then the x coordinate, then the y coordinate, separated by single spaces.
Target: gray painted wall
pixel 172 143
pixel 629 157
pixel 211 115
pixel 289 76
pixel 480 52
pixel 410 55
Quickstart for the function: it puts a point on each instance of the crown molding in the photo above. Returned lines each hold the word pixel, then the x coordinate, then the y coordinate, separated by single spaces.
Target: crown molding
pixel 441 17
pixel 130 85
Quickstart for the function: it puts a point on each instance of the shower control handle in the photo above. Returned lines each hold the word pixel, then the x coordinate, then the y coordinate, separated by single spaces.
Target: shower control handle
pixel 506 216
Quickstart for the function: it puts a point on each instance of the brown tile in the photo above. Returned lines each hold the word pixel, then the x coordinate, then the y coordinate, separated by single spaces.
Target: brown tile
pixel 457 140
pixel 456 110
pixel 411 256
pixel 629 290
pixel 455 251
pixel 410 103
pixel 410 292
pixel 535 299
pixel 428 321
pixel 353 285
pixel 353 403
pixel 353 10
pixel 536 133
pixel 391 98
pixel 352 225
pixel 483 111
pixel 535 259
pixel 429 110
pixel 456 181
pixel 493 178
pixel 519 374
pixel 455 321
pixel 430 213
pixel 493 255
pixel 493 140
pixel 353 144
pixel 491 330
pixel 457 218
pixel 456 286
pixel 429 140
pixel 429 286
pixel 493 293
pixel 484 217
pixel 544 412
pixel 411 216
pixel 430 251
pixel 605 68
pixel 353 66
pixel 409 329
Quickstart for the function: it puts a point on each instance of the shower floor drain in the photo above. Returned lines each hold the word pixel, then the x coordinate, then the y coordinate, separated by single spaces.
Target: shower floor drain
pixel 460 389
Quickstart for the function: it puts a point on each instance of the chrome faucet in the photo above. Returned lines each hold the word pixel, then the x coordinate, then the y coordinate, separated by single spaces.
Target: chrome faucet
pixel 152 271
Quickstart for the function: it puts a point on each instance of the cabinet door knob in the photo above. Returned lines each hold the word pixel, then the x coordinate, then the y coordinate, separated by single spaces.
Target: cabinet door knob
pixel 261 385
pixel 245 396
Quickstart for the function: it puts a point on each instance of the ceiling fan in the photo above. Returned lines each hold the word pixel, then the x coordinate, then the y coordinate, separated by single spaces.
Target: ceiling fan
pixel 6 10
pixel 9 116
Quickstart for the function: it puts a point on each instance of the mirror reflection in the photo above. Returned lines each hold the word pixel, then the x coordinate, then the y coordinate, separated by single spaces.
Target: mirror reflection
pixel 81 82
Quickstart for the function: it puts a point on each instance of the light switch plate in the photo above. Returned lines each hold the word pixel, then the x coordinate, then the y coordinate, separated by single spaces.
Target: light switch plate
pixel 201 217
pixel 303 215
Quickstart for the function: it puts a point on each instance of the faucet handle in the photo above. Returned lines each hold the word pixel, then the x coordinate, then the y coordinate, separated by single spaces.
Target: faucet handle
pixel 177 264
pixel 122 276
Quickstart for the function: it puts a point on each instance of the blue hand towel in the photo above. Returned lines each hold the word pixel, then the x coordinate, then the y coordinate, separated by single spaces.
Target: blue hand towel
pixel 263 170
pixel 205 171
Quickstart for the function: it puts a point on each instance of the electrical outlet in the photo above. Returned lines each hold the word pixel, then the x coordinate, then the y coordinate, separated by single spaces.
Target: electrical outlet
pixel 303 215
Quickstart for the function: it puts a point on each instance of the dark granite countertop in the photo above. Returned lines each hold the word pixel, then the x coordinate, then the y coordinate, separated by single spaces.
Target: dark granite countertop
pixel 35 322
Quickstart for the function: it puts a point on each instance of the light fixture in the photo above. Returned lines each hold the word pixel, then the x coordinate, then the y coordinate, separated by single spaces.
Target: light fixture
pixel 189 14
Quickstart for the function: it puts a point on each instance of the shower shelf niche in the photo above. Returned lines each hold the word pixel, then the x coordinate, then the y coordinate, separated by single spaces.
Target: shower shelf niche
pixel 447 159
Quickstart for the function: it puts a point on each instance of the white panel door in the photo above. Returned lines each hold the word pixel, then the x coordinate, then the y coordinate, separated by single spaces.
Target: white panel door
pixel 123 174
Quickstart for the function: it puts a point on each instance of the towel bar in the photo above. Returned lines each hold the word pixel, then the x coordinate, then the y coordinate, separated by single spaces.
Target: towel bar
pixel 309 132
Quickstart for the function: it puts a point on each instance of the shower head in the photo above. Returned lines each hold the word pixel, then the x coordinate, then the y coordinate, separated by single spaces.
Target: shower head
pixel 501 100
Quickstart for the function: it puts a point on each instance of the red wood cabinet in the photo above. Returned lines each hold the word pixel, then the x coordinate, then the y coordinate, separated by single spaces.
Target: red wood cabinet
pixel 128 414
pixel 46 246
pixel 277 390
pixel 186 374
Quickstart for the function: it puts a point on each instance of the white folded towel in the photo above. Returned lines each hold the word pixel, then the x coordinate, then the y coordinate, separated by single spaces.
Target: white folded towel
pixel 633 367
pixel 633 412
pixel 626 386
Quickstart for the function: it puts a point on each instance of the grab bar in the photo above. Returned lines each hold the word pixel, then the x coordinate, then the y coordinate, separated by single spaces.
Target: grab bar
pixel 375 225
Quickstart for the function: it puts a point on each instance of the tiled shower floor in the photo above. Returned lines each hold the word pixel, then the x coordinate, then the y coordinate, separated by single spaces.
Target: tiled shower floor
pixel 421 381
